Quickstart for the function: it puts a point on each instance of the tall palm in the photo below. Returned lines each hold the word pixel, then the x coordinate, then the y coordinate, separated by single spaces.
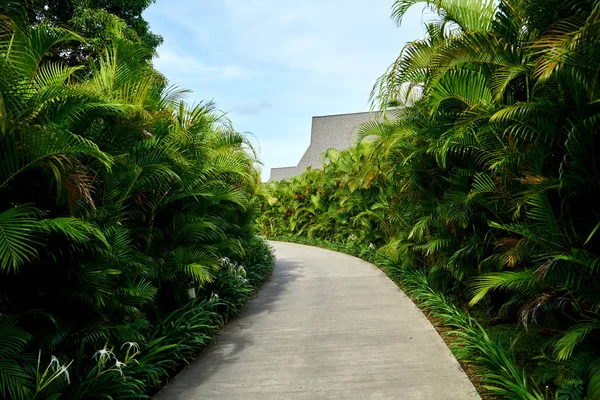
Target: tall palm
pixel 114 196
pixel 483 178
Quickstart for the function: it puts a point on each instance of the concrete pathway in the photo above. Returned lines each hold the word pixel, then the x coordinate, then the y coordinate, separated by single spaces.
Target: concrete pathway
pixel 327 326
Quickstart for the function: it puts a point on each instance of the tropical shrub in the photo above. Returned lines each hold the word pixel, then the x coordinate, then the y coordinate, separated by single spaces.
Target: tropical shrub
pixel 482 172
pixel 118 202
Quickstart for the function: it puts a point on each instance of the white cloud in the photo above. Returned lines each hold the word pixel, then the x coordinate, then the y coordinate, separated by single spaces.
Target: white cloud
pixel 309 57
pixel 176 61
pixel 250 107
pixel 348 44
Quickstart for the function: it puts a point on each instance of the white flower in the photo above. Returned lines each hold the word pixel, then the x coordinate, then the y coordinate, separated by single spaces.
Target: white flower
pixel 132 345
pixel 214 296
pixel 120 365
pixel 104 355
pixel 54 363
pixel 44 379
pixel 371 246
pixel 63 370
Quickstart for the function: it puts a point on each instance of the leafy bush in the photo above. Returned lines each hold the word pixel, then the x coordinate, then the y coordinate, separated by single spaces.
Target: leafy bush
pixel 481 171
pixel 117 200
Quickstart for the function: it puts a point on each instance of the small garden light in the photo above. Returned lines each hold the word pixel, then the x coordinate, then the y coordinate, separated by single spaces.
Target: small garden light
pixel 191 290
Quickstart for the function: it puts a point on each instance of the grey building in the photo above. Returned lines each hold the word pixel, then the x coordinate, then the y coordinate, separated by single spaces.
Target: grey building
pixel 328 131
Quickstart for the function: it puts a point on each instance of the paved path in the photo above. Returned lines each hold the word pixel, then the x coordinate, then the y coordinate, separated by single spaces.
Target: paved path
pixel 327 326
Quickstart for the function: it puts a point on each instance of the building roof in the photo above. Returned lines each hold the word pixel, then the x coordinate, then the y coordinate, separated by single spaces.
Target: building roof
pixel 328 131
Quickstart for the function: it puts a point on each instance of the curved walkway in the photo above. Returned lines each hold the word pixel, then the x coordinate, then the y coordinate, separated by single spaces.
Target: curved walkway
pixel 327 326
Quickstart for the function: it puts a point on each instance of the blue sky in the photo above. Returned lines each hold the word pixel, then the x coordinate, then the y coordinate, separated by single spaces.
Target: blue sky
pixel 272 65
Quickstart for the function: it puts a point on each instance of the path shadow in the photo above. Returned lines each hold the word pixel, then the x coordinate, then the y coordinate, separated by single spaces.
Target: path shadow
pixel 231 341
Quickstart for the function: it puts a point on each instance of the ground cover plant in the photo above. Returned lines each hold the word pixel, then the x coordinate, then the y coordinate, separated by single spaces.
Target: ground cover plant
pixel 483 177
pixel 126 215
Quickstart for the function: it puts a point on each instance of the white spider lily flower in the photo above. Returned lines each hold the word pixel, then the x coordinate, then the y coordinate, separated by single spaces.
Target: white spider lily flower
pixel 104 355
pixel 120 365
pixel 132 345
pixel 65 372
pixel 52 372
pixel 54 363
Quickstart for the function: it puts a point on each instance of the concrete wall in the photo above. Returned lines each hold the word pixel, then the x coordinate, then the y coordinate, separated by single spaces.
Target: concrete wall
pixel 328 131
pixel 278 174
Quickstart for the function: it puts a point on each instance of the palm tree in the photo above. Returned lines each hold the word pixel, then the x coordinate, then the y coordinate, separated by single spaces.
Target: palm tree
pixel 483 179
pixel 115 198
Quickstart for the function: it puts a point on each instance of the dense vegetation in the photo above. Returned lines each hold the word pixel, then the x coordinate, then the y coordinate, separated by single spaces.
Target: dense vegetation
pixel 118 203
pixel 91 19
pixel 482 175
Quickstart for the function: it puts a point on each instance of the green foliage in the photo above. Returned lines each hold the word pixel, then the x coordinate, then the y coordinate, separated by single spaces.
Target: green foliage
pixel 484 176
pixel 14 378
pixel 501 376
pixel 18 228
pixel 117 202
pixel 99 21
